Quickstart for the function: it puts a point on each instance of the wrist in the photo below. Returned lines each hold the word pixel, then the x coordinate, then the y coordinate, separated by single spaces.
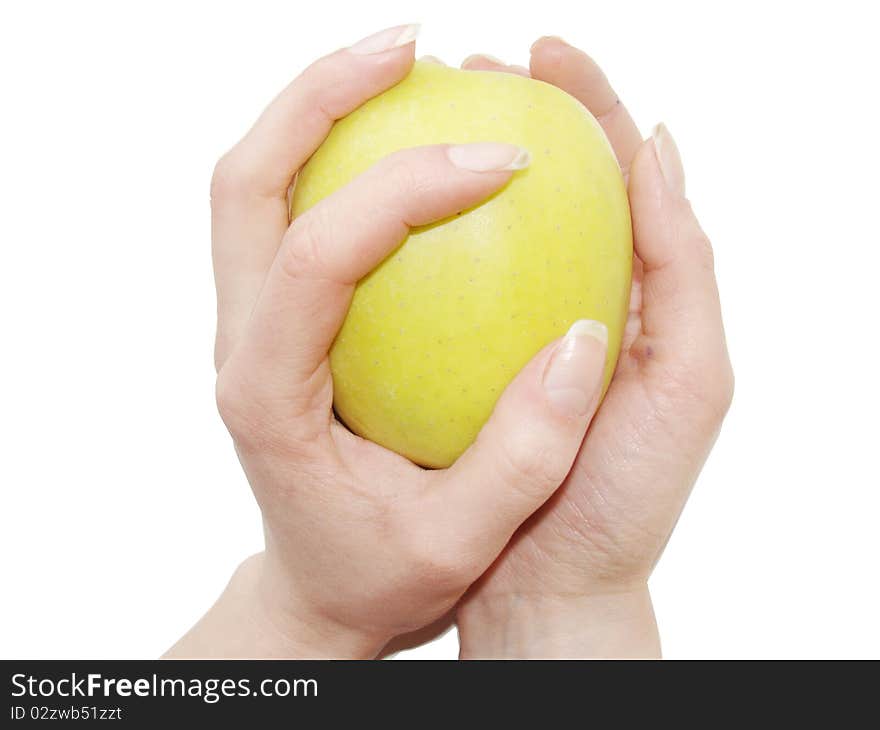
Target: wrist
pixel 611 624
pixel 256 617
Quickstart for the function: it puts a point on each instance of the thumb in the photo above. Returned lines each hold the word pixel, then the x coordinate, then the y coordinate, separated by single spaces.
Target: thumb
pixel 526 449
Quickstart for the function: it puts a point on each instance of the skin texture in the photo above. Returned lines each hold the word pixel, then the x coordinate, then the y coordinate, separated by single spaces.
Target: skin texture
pixel 438 329
pixel 361 545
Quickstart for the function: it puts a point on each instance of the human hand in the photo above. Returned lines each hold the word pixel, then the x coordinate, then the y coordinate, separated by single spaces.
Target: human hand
pixel 361 544
pixel 573 581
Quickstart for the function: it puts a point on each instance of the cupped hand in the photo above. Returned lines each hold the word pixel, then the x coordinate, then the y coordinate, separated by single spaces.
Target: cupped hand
pixel 361 544
pixel 573 580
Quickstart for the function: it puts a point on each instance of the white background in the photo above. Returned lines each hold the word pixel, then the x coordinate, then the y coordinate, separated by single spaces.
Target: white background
pixel 123 509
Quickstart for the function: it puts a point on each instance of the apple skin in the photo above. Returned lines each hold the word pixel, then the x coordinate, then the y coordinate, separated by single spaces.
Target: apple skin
pixel 437 331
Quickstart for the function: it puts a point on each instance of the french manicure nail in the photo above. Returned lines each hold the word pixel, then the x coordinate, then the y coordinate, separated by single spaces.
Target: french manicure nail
pixel 488 156
pixel 669 159
pixel 386 39
pixel 573 377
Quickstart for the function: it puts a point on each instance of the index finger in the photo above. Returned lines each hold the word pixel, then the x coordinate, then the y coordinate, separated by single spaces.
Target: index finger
pixel 249 212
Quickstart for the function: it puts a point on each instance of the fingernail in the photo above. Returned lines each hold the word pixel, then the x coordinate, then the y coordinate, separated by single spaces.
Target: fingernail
pixel 488 156
pixel 545 38
pixel 483 57
pixel 573 377
pixel 432 59
pixel 387 39
pixel 669 159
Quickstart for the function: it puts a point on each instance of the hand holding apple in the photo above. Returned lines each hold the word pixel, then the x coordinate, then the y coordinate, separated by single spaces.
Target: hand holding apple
pixel 361 544
pixel 573 581
pixel 437 330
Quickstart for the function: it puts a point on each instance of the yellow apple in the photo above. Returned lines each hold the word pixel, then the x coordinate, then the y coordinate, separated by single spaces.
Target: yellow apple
pixel 437 331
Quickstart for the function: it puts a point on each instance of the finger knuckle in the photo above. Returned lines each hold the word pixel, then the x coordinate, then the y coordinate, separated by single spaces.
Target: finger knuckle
pixel 228 181
pixel 532 467
pixel 436 560
pixel 254 428
pixel 724 392
pixel 443 569
pixel 697 243
pixel 401 168
pixel 709 384
pixel 234 404
pixel 260 423
pixel 302 253
pixel 703 251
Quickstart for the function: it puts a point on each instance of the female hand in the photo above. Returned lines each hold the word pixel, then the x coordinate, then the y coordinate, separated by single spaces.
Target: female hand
pixel 361 545
pixel 573 581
